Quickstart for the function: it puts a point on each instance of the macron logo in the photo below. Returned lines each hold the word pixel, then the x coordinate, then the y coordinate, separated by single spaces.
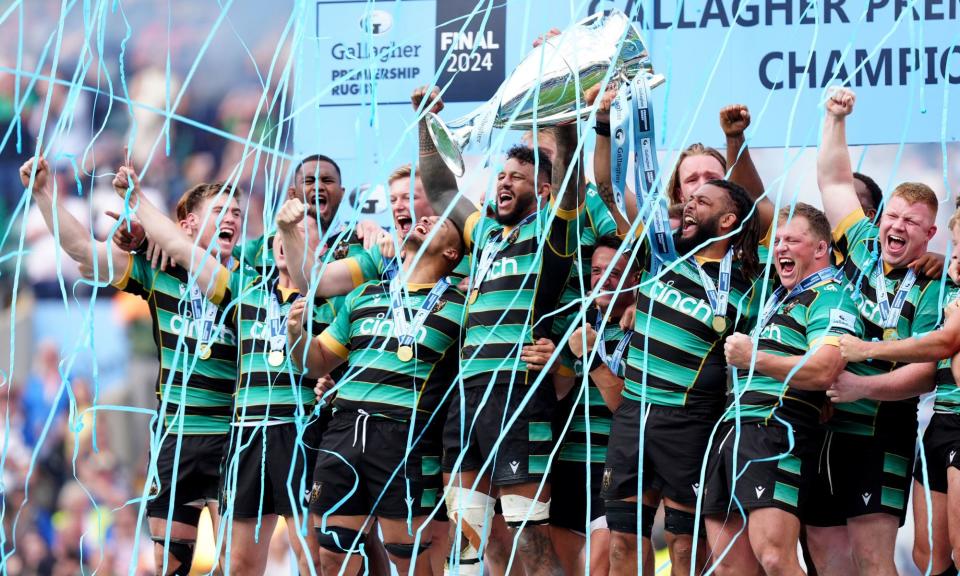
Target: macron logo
pixel 866 498
pixel 514 466
pixel 759 490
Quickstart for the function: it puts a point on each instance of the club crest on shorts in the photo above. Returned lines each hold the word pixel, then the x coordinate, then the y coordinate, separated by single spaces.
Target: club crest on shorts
pixel 315 493
pixel 154 487
pixel 341 250
pixel 607 479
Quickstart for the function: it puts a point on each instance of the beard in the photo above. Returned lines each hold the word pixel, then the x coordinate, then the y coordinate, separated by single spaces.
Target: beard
pixel 521 207
pixel 707 230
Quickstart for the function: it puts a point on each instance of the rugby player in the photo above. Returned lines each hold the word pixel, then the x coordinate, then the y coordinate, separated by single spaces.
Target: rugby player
pixel 938 470
pixel 587 407
pixel 506 409
pixel 868 453
pixel 379 459
pixel 275 430
pixel 675 362
pixel 197 355
pixel 762 466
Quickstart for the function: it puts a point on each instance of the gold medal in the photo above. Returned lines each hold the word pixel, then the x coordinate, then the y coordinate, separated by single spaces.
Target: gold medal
pixel 719 324
pixel 473 295
pixel 405 353
pixel 204 352
pixel 890 334
pixel 275 358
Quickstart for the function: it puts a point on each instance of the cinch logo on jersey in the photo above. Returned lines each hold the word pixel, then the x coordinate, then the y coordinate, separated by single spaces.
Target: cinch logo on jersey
pixel 224 335
pixel 771 333
pixel 382 326
pixel 870 311
pixel 503 267
pixel 666 294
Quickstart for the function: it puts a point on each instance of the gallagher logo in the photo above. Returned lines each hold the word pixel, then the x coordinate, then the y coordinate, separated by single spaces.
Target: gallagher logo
pixel 377 22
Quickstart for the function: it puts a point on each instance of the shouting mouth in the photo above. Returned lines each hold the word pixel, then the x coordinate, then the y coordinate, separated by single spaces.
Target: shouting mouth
pixel 787 266
pixel 403 224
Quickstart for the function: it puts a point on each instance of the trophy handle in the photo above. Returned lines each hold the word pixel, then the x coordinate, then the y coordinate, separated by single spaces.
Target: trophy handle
pixel 448 144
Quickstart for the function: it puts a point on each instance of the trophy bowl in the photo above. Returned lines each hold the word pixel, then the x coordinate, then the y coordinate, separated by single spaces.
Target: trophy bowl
pixel 547 87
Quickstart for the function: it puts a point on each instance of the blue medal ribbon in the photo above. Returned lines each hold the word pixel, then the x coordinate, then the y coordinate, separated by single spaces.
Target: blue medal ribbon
pixel 890 313
pixel 646 169
pixel 406 332
pixel 493 249
pixel 718 294
pixel 613 361
pixel 777 299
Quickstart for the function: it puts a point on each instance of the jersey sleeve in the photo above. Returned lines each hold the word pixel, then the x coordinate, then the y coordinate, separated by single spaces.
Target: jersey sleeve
pixel 473 229
pixel 336 337
pixel 599 220
pixel 831 315
pixel 138 276
pixel 851 230
pixel 253 253
pixel 564 233
pixel 926 318
pixel 366 265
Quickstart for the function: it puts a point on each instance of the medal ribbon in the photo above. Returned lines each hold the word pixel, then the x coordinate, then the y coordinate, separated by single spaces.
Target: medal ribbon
pixel 620 118
pixel 277 324
pixel 203 312
pixel 614 360
pixel 718 296
pixel 405 332
pixel 645 160
pixel 891 312
pixel 828 273
pixel 493 249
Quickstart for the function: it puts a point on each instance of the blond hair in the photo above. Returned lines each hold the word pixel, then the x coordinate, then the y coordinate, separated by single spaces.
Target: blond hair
pixel 695 149
pixel 194 196
pixel 400 173
pixel 917 193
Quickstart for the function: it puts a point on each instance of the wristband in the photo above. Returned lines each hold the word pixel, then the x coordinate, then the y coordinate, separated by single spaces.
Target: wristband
pixel 596 363
pixel 602 129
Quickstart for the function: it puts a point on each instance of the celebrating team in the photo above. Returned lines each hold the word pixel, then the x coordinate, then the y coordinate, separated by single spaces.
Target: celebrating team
pixel 517 388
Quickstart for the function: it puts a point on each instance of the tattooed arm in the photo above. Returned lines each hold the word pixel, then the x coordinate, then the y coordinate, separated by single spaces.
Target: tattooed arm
pixel 439 182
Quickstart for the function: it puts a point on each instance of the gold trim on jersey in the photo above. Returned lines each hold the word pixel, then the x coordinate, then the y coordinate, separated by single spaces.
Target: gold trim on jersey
pixel 333 345
pixel 121 283
pixel 841 230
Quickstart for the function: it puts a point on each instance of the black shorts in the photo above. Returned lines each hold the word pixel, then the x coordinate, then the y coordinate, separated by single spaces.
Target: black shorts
pixel 941 448
pixel 674 443
pixel 198 476
pixel 473 428
pixel 363 468
pixel 267 469
pixel 569 494
pixel 860 475
pixel 767 472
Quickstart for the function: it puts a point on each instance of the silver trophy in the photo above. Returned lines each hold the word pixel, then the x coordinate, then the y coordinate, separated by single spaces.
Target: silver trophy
pixel 593 45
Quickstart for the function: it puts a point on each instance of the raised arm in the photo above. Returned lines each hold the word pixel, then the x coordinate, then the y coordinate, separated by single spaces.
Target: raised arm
pixel 105 260
pixel 601 163
pixel 571 196
pixel 834 174
pixel 905 382
pixel 170 237
pixel 816 370
pixel 439 182
pixel 734 120
pixel 290 223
